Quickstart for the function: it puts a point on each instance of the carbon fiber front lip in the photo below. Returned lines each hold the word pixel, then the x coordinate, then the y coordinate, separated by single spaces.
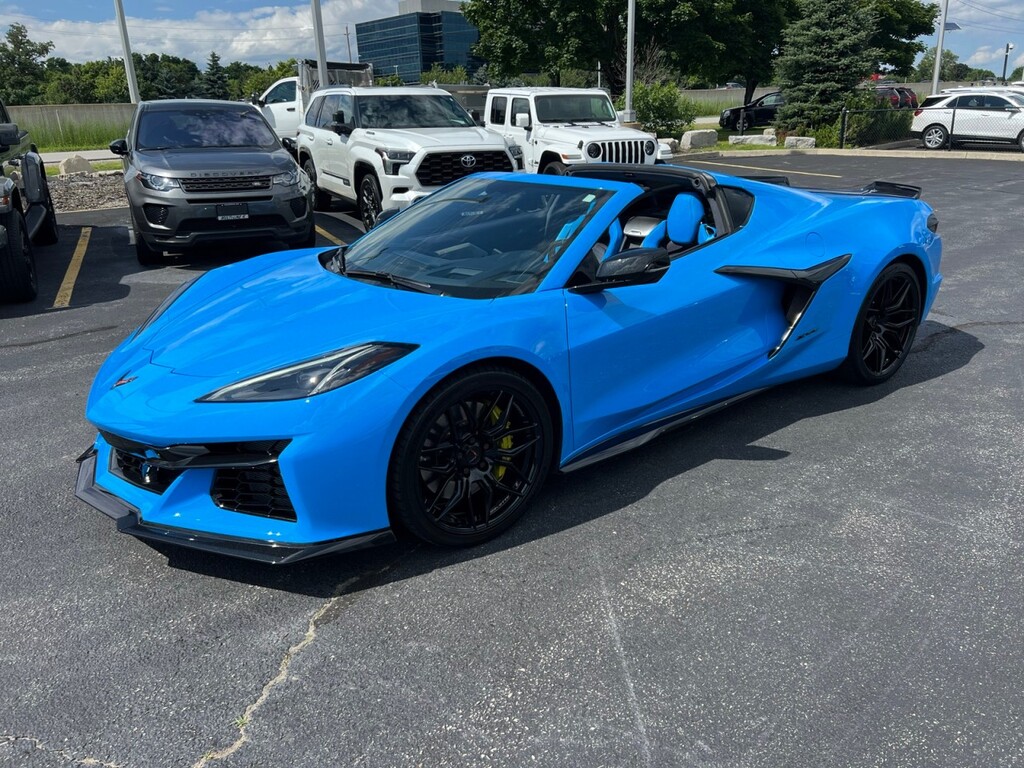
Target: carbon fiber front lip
pixel 272 553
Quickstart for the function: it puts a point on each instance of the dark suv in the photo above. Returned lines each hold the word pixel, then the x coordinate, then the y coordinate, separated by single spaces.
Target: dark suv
pixel 26 211
pixel 758 112
pixel 206 171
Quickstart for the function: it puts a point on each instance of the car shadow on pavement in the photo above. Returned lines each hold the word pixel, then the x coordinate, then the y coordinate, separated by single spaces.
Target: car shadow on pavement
pixel 575 499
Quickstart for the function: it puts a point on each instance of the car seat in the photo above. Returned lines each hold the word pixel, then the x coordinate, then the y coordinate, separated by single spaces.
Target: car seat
pixel 684 225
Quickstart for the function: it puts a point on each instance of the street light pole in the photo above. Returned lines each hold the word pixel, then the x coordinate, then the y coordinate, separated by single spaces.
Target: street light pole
pixel 318 40
pixel 129 62
pixel 938 47
pixel 628 115
pixel 1006 58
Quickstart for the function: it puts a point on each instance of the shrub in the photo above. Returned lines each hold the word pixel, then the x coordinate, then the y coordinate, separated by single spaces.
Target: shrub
pixel 661 109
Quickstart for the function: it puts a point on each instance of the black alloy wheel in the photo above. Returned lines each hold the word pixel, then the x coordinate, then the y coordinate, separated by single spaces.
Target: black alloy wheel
pixel 470 457
pixel 321 199
pixel 886 326
pixel 369 201
pixel 18 280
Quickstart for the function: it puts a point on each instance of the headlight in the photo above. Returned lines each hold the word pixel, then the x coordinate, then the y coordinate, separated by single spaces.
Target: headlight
pixel 157 183
pixel 311 377
pixel 165 305
pixel 593 150
pixel 516 151
pixel 650 147
pixel 394 159
pixel 288 178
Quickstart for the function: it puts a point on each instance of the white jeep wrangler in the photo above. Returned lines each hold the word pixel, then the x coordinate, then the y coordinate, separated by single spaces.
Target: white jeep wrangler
pixel 386 147
pixel 558 127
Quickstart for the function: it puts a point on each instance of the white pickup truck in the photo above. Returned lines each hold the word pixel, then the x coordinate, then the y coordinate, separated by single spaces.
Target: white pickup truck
pixel 558 127
pixel 386 147
pixel 284 103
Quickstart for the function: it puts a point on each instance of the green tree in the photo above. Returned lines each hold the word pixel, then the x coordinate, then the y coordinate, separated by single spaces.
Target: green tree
pixel 926 67
pixel 900 24
pixel 238 74
pixel 259 81
pixel 1017 74
pixel 22 72
pixel 214 80
pixel 438 74
pixel 826 54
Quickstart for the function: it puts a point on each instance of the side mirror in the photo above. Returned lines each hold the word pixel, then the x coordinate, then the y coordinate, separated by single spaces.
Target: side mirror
pixel 254 98
pixel 9 134
pixel 338 124
pixel 119 147
pixel 639 266
pixel 475 114
pixel 386 214
pixel 522 120
pixel 289 144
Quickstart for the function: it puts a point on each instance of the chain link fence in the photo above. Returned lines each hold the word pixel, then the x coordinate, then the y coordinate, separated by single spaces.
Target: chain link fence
pixel 991 119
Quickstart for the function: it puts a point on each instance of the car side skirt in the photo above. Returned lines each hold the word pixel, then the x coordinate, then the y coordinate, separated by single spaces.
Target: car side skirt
pixel 269 552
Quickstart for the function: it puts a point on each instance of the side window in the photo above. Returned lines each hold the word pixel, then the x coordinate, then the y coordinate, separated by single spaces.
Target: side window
pixel 519 106
pixel 346 105
pixel 313 112
pixel 969 102
pixel 281 93
pixel 330 106
pixel 995 102
pixel 499 106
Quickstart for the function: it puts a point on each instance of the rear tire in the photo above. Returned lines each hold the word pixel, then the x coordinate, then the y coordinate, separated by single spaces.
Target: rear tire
pixel 1020 141
pixel 934 137
pixel 885 327
pixel 321 199
pixel 18 281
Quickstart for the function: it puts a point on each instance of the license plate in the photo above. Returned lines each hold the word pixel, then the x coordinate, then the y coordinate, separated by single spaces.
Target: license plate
pixel 232 212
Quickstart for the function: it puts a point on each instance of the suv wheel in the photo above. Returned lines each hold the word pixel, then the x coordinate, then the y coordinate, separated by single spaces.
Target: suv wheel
pixel 369 201
pixel 147 256
pixel 934 137
pixel 321 199
pixel 17 262
pixel 47 234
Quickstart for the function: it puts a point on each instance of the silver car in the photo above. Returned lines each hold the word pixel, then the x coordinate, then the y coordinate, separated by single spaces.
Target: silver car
pixel 205 171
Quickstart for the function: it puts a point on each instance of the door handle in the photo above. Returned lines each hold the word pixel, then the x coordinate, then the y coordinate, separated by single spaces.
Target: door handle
pixel 290 109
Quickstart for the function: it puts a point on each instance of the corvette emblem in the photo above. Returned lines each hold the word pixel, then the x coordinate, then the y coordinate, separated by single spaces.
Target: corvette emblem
pixel 468 161
pixel 124 380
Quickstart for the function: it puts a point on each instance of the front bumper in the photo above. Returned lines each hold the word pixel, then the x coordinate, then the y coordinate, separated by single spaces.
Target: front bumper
pixel 129 520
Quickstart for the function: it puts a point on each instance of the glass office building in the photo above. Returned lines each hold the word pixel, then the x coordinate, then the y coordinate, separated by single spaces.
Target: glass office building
pixel 411 43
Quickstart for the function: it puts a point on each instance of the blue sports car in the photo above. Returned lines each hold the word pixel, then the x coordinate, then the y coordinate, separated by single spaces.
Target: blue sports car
pixel 426 378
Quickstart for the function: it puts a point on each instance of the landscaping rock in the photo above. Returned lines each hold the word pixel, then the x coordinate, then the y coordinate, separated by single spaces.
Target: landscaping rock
pixel 757 139
pixel 75 193
pixel 75 164
pixel 672 144
pixel 698 139
pixel 769 132
pixel 800 142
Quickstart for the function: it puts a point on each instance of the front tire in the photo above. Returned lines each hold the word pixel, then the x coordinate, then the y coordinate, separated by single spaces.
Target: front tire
pixel 147 256
pixel 48 234
pixel 934 137
pixel 18 281
pixel 885 327
pixel 470 457
pixel 555 168
pixel 321 199
pixel 369 201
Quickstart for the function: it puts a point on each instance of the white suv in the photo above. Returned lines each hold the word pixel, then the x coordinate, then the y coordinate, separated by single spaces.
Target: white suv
pixel 386 147
pixel 982 115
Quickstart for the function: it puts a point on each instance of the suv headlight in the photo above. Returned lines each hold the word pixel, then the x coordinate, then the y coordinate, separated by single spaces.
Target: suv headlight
pixel 394 159
pixel 650 147
pixel 157 183
pixel 593 150
pixel 288 178
pixel 311 377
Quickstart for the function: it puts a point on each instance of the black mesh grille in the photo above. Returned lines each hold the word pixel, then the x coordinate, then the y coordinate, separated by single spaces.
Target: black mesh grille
pixel 439 168
pixel 155 214
pixel 254 491
pixel 226 184
pixel 625 151
pixel 263 221
pixel 138 472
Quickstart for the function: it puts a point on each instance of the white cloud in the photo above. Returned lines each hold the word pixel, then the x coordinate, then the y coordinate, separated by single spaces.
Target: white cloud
pixel 259 36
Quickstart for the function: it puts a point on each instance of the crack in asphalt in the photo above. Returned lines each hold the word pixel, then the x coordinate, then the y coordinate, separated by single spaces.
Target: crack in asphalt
pixel 325 614
pixel 63 754
pixel 62 337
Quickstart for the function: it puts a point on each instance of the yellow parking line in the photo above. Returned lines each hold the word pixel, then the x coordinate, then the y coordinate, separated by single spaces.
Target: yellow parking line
pixel 324 233
pixel 773 170
pixel 68 285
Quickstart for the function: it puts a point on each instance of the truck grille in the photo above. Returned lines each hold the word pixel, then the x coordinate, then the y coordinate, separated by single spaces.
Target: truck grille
pixel 226 184
pixel 439 168
pixel 625 151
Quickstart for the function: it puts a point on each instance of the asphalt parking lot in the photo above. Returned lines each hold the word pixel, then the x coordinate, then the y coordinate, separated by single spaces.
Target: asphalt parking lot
pixel 819 576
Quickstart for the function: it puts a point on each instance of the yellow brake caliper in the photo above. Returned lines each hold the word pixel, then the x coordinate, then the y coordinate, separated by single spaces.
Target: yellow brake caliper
pixel 505 443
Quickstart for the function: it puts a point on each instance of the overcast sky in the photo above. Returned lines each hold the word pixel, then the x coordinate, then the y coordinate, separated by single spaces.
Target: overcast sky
pixel 247 30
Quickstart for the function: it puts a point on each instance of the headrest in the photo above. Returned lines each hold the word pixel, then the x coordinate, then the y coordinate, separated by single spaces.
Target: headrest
pixel 684 219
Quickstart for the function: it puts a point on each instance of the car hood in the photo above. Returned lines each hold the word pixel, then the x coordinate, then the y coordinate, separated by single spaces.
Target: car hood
pixel 199 163
pixel 433 138
pixel 574 134
pixel 292 311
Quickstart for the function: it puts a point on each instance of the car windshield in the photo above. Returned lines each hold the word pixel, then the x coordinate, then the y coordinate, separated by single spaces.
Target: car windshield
pixel 575 108
pixel 204 127
pixel 478 238
pixel 401 111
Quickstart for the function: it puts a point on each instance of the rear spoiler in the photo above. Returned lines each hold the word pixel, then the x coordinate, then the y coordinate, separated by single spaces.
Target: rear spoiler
pixel 887 188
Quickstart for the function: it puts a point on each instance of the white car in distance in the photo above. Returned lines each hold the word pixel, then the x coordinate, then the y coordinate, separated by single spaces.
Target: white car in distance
pixel 970 116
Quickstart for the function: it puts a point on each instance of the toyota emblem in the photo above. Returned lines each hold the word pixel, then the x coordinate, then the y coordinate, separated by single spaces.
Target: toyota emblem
pixel 468 161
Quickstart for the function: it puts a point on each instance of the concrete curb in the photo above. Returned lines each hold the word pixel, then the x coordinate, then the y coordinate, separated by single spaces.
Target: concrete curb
pixel 919 154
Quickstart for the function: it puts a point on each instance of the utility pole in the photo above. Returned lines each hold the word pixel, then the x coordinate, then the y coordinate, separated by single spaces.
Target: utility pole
pixel 129 62
pixel 348 42
pixel 1006 58
pixel 318 39
pixel 628 115
pixel 938 47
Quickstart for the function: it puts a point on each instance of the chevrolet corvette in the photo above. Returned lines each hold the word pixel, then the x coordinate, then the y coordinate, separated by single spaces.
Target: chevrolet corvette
pixel 426 378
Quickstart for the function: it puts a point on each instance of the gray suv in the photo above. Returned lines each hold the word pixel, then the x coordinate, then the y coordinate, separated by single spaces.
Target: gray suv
pixel 205 171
